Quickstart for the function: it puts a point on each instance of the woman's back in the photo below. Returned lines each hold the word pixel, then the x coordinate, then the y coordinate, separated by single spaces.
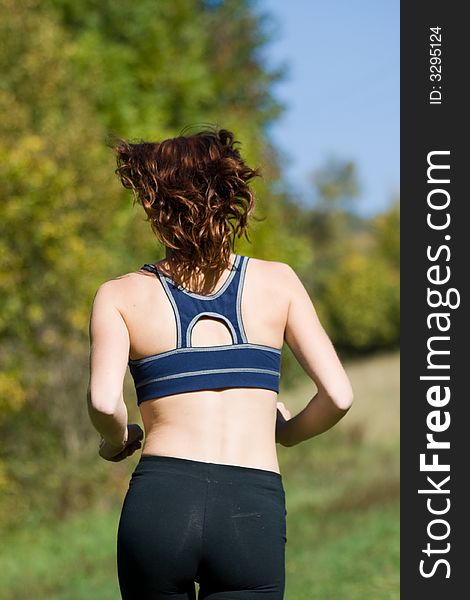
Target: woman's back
pixel 234 425
pixel 206 501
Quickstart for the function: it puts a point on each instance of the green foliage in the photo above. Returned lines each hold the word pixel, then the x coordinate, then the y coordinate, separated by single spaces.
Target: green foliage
pixel 362 303
pixel 57 212
pixel 387 234
pixel 354 282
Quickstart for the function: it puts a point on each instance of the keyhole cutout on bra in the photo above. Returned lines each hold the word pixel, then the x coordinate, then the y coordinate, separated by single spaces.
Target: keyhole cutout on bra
pixel 210 331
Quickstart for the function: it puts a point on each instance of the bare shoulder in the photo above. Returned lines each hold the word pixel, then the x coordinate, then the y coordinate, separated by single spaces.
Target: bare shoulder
pixel 271 268
pixel 279 274
pixel 118 288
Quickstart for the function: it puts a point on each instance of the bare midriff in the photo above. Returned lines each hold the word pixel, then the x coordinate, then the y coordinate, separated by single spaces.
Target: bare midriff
pixel 233 426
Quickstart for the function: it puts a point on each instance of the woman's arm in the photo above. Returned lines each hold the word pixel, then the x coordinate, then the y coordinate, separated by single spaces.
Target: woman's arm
pixel 318 416
pixel 109 354
pixel 312 347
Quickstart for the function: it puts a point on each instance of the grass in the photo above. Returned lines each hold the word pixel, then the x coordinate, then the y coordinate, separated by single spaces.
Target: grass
pixel 342 492
pixel 73 560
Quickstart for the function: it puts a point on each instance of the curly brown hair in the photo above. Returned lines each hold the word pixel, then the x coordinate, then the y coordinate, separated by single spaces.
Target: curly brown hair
pixel 194 190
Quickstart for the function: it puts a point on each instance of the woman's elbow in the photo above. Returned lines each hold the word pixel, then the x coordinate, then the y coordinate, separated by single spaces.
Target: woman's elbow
pixel 105 405
pixel 342 399
pixel 345 402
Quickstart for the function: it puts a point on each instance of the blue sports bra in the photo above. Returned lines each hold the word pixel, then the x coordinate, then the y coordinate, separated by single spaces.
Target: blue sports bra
pixel 187 368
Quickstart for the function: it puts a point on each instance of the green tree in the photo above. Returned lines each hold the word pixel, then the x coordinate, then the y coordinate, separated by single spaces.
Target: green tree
pixel 387 231
pixel 361 299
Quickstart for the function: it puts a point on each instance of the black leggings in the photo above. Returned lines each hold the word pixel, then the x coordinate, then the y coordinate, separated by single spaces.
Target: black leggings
pixel 182 521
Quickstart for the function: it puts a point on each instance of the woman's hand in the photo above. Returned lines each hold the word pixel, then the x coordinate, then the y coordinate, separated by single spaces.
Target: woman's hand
pixel 283 415
pixel 132 443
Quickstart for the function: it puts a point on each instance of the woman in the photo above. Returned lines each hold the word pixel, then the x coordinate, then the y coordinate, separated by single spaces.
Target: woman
pixel 202 332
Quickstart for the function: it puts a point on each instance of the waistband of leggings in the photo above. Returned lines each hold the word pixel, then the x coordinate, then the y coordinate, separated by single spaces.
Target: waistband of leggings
pixel 204 469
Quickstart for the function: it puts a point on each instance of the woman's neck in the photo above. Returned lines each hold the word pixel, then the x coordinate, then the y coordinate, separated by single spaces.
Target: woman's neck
pixel 170 255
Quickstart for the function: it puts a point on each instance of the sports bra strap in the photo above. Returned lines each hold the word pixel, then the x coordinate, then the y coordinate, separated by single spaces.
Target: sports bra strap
pixel 225 304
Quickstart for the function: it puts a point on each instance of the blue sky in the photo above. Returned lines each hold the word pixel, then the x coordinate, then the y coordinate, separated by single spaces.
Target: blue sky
pixel 341 91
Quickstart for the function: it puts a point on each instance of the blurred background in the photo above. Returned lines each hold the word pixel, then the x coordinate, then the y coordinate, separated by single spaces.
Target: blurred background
pixel 311 90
